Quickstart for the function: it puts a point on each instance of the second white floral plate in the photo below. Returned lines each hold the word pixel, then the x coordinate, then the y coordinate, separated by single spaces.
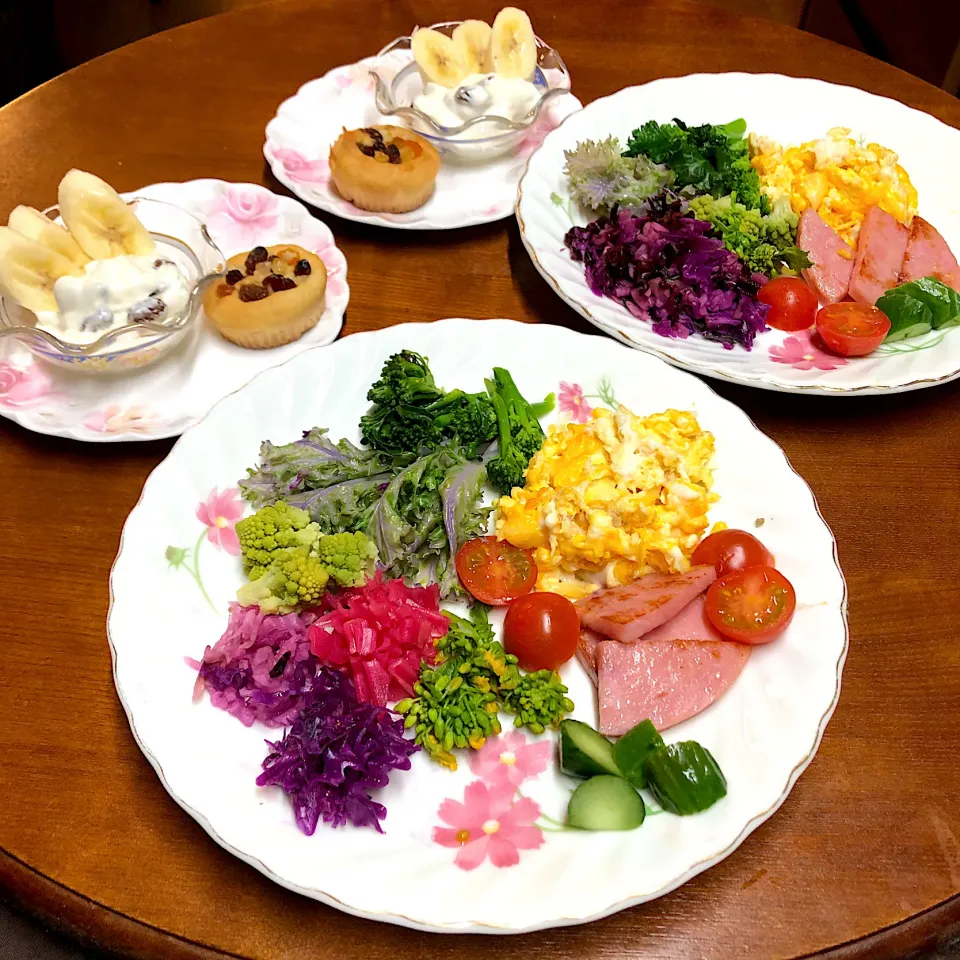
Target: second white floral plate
pixel 789 362
pixel 164 399
pixel 299 138
pixel 480 849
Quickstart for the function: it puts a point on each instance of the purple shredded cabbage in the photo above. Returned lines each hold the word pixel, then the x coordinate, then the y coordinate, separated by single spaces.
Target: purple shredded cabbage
pixel 261 668
pixel 663 266
pixel 337 750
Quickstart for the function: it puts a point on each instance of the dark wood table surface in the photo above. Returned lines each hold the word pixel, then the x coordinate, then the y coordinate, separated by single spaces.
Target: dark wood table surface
pixel 862 859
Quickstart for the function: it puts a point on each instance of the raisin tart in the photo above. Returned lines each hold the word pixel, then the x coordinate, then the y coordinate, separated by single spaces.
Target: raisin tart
pixel 268 297
pixel 384 169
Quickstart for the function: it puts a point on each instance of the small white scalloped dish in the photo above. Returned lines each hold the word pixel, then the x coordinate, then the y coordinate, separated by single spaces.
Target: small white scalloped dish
pixel 177 390
pixel 299 137
pixel 791 111
pixel 763 732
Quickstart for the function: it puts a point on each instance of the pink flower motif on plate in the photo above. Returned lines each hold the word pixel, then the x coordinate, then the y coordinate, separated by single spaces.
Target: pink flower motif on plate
pixel 334 286
pixel 571 401
pixel 532 139
pixel 510 759
pixel 801 353
pixel 356 76
pixel 489 823
pixel 297 167
pixel 114 419
pixel 220 513
pixel 243 216
pixel 21 386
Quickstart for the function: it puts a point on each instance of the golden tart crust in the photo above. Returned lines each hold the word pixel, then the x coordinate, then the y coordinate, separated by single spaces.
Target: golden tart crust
pixel 249 313
pixel 386 169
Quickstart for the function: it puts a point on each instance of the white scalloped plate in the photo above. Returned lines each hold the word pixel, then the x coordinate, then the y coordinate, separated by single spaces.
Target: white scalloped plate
pixel 300 135
pixel 166 398
pixel 763 732
pixel 791 111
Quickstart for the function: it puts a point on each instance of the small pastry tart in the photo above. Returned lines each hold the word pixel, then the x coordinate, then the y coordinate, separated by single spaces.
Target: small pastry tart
pixel 389 169
pixel 268 297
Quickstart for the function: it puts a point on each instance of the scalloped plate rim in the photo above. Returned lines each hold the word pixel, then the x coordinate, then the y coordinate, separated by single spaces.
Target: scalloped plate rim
pixel 610 328
pixel 480 928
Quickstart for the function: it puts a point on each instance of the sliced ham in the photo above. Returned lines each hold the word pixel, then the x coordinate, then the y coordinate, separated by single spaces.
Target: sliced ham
pixel 690 623
pixel 832 258
pixel 927 255
pixel 587 651
pixel 667 681
pixel 880 250
pixel 626 613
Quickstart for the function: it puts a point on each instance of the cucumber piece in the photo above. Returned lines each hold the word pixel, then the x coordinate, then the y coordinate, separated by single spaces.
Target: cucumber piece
pixel 631 751
pixel 684 777
pixel 908 316
pixel 584 752
pixel 605 803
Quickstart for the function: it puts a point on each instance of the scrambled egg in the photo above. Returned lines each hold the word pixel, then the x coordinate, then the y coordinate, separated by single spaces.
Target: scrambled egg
pixel 836 176
pixel 607 501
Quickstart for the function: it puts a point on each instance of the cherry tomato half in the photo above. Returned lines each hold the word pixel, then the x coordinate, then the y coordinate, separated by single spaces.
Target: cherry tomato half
pixel 729 550
pixel 793 305
pixel 752 605
pixel 495 571
pixel 852 329
pixel 541 630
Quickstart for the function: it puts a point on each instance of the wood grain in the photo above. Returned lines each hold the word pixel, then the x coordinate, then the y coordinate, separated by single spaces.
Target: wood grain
pixel 866 850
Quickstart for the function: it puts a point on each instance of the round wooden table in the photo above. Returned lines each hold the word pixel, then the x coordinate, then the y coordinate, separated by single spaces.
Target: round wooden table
pixel 864 857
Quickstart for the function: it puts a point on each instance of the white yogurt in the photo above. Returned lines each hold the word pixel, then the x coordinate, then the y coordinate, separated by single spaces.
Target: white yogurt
pixel 112 293
pixel 479 95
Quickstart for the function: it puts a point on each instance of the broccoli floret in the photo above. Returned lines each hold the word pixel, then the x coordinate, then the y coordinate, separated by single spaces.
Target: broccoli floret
pixel 711 159
pixel 349 558
pixel 405 378
pixel 473 421
pixel 272 534
pixel 766 243
pixel 412 415
pixel 518 430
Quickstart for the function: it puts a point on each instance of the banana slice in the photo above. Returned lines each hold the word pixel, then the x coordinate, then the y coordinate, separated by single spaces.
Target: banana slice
pixel 28 270
pixel 438 57
pixel 35 226
pixel 472 40
pixel 513 46
pixel 99 220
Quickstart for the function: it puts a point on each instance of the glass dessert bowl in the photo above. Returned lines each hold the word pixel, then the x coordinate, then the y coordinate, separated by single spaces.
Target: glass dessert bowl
pixel 486 129
pixel 184 258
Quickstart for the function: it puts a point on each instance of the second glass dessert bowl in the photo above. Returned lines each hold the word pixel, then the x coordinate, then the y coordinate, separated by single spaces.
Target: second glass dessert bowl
pixel 482 137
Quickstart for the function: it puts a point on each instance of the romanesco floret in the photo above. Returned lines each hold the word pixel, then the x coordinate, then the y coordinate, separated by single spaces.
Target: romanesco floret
pixel 766 243
pixel 349 558
pixel 273 534
pixel 288 585
pixel 290 563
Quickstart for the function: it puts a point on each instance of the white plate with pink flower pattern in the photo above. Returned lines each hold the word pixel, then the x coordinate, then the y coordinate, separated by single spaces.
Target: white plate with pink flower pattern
pixel 788 362
pixel 299 138
pixel 164 399
pixel 483 848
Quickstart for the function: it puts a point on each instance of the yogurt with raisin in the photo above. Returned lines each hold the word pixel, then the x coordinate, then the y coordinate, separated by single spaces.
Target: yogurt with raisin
pixel 113 293
pixel 477 96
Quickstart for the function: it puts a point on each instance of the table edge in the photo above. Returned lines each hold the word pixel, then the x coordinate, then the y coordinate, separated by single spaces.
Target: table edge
pixel 92 923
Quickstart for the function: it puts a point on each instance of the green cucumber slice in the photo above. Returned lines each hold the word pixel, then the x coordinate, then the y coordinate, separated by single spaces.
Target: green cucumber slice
pixel 631 750
pixel 684 777
pixel 584 752
pixel 605 803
